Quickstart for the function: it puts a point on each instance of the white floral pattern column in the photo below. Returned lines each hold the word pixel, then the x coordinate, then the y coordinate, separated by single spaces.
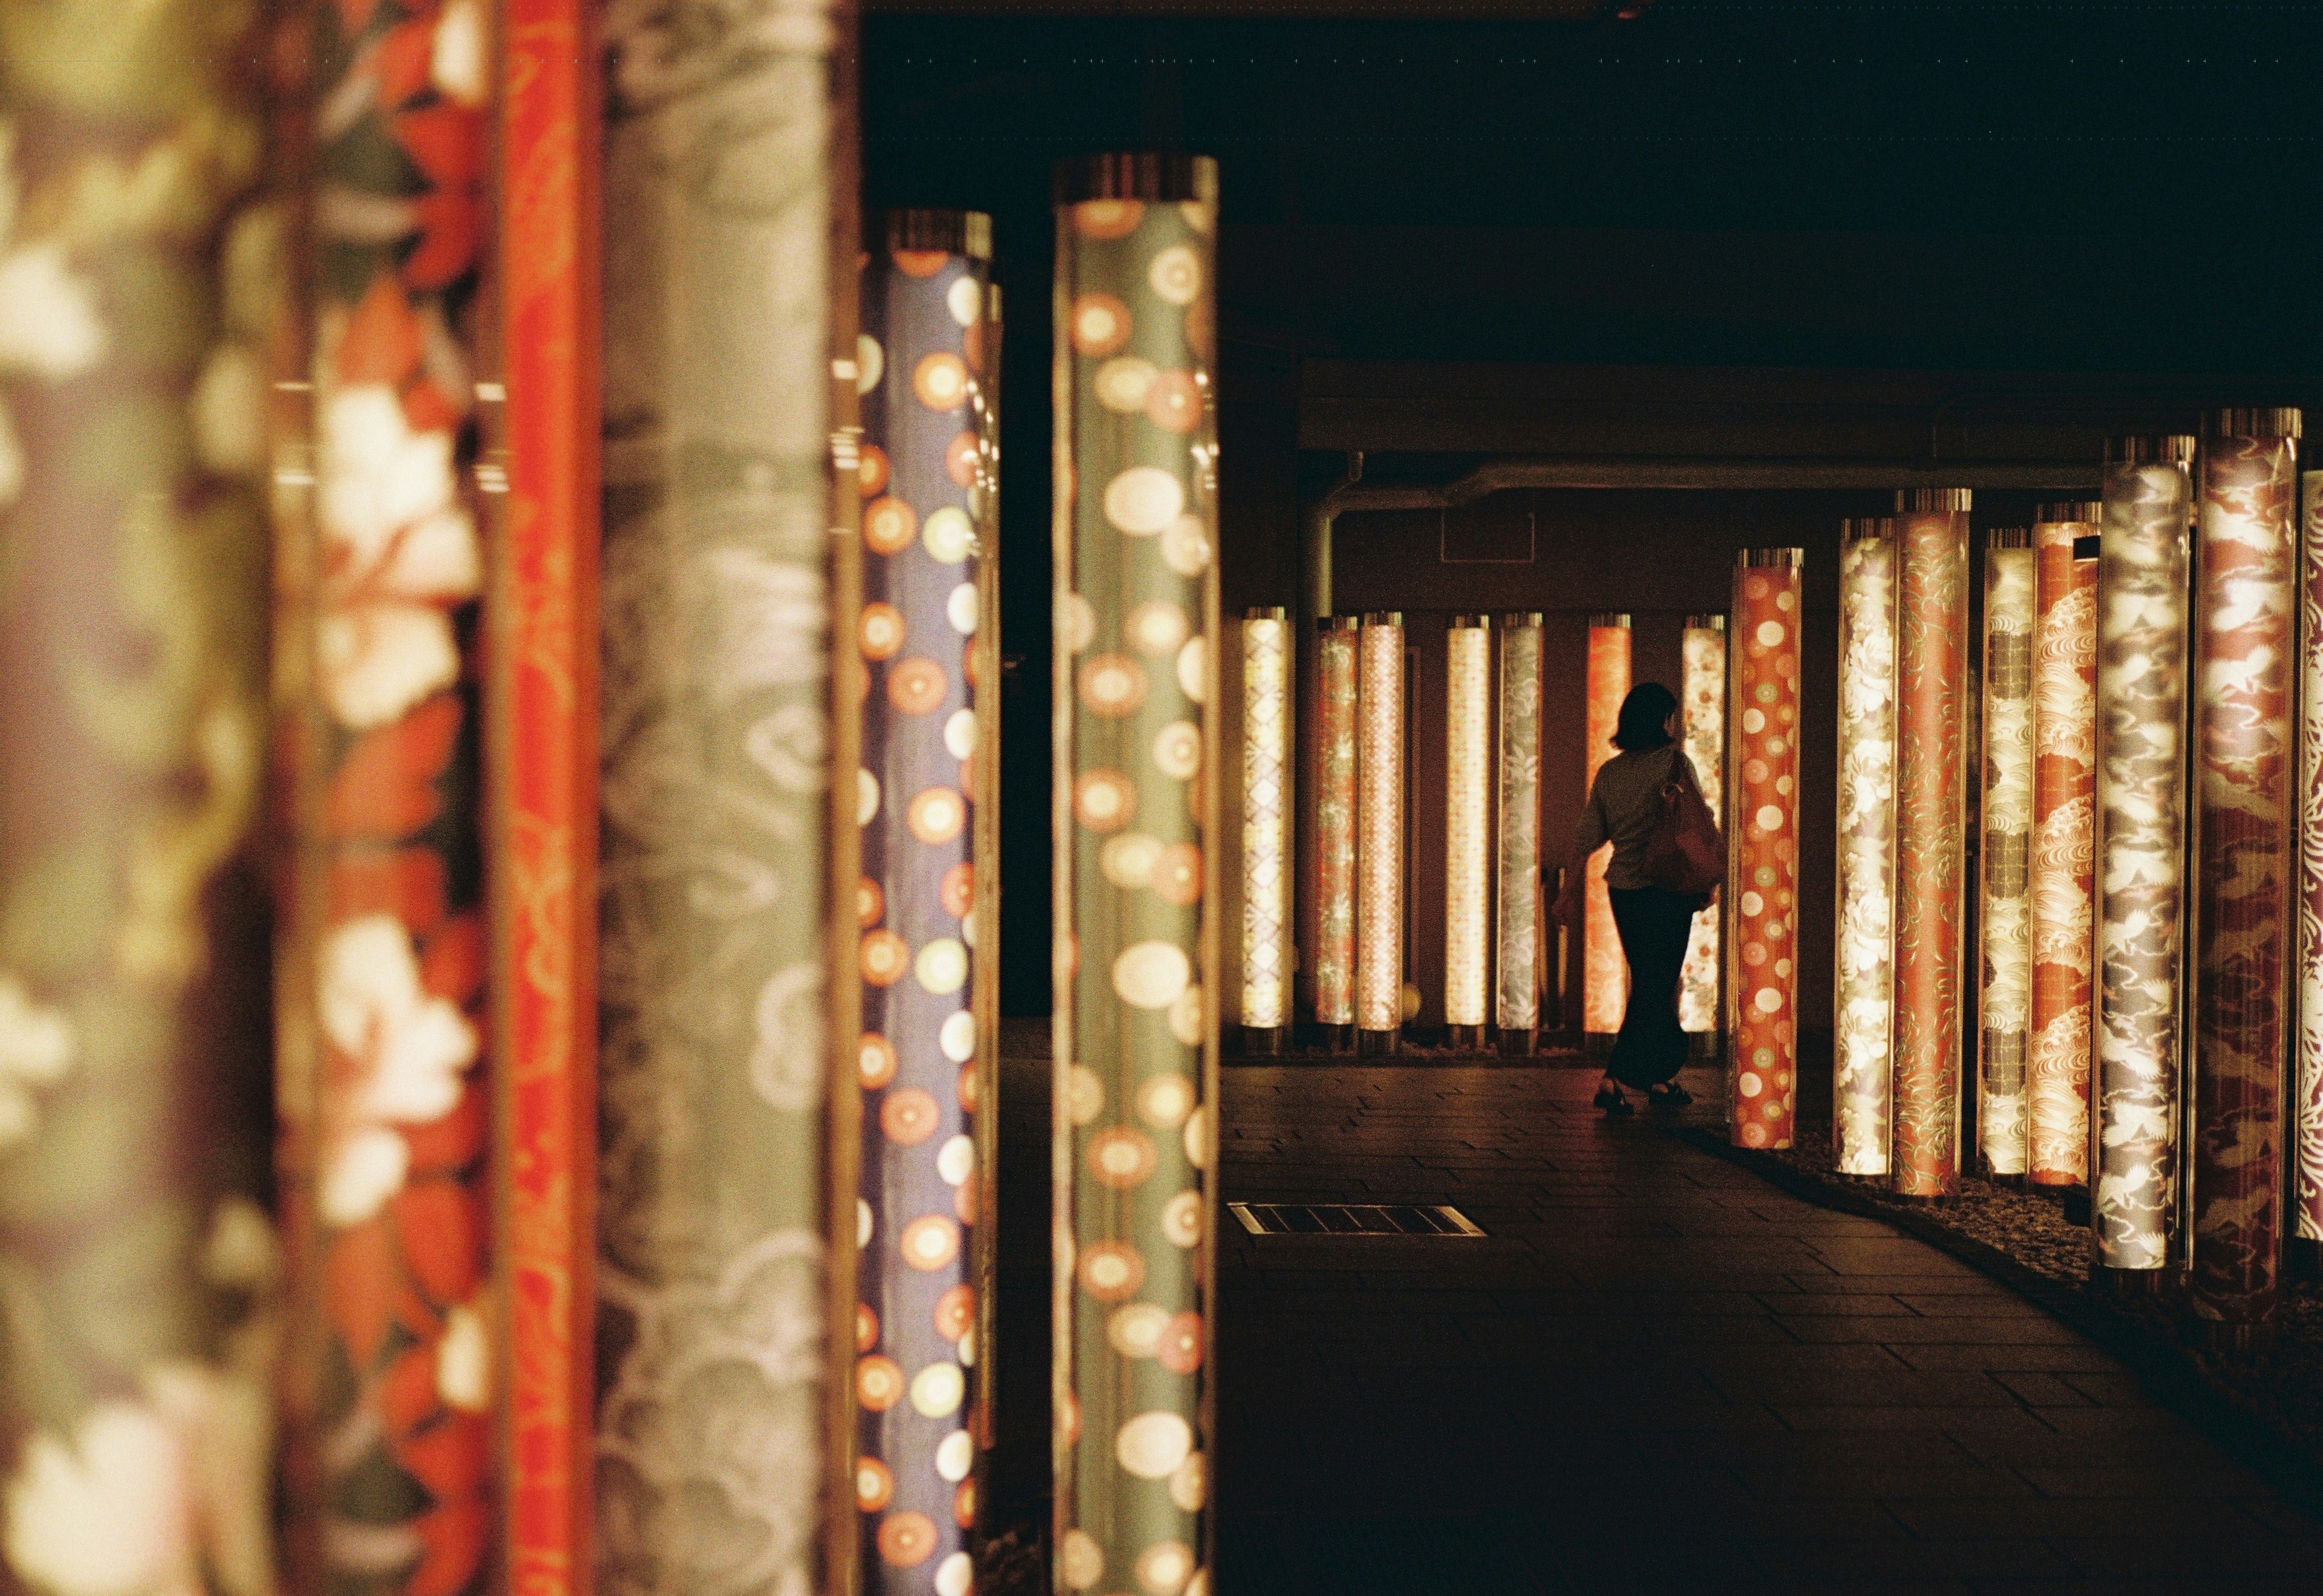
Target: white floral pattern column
pixel 1467 824
pixel 1862 1085
pixel 1702 706
pixel 1265 829
pixel 2004 922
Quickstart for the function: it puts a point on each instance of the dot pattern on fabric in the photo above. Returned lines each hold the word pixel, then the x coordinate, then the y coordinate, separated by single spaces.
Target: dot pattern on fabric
pixel 1762 965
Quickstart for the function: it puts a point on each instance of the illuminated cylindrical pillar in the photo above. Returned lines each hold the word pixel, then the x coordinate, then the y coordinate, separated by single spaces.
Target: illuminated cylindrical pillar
pixel 141 276
pixel 1930 825
pixel 1339 700
pixel 730 799
pixel 980 780
pixel 2064 808
pixel 1517 987
pixel 2305 1129
pixel 924 444
pixel 1379 850
pixel 1136 958
pixel 2246 633
pixel 1701 705
pixel 1861 1081
pixel 1265 829
pixel 2004 908
pixel 1604 975
pixel 1762 774
pixel 1467 827
pixel 2141 570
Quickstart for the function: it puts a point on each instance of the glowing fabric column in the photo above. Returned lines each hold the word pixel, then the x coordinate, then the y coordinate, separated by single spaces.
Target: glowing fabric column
pixel 1604 975
pixel 1861 1090
pixel 1467 826
pixel 980 780
pixel 1702 704
pixel 2306 1127
pixel 388 1182
pixel 2142 566
pixel 728 1223
pixel 1336 832
pixel 1762 767
pixel 1379 854
pixel 1517 988
pixel 2245 634
pixel 1930 825
pixel 2004 909
pixel 140 288
pixel 1265 829
pixel 922 351
pixel 1137 1070
pixel 2064 810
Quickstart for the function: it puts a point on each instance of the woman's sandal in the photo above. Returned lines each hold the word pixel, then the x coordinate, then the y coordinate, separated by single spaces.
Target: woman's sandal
pixel 1611 1100
pixel 1669 1093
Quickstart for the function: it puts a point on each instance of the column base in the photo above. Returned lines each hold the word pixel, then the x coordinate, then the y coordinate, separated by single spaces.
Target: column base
pixel 2134 1284
pixel 1704 1046
pixel 1265 1039
pixel 1377 1044
pixel 1464 1038
pixel 2077 1204
pixel 2303 1258
pixel 1597 1044
pixel 2244 1339
pixel 1334 1039
pixel 1519 1044
pixel 2015 1182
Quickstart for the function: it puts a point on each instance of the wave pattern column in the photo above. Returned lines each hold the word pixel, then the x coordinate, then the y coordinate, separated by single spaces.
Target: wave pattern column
pixel 1702 711
pixel 1265 829
pixel 1136 519
pixel 2064 810
pixel 1378 853
pixel 1467 825
pixel 141 287
pixel 1337 807
pixel 1604 975
pixel 727 1217
pixel 926 428
pixel 1930 827
pixel 2245 631
pixel 2305 1124
pixel 1762 765
pixel 1518 975
pixel 2003 921
pixel 2141 572
pixel 1866 986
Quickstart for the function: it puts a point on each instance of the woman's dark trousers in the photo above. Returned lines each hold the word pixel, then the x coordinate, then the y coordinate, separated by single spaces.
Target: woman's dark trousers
pixel 1655 926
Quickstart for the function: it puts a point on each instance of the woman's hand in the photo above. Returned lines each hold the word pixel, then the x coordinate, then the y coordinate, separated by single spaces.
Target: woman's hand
pixel 1568 909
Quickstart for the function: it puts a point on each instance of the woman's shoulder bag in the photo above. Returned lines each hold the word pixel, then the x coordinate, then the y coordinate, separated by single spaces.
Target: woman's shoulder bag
pixel 1685 853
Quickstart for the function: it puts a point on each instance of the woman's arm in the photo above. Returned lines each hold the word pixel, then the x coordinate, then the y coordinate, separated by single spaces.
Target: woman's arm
pixel 1589 833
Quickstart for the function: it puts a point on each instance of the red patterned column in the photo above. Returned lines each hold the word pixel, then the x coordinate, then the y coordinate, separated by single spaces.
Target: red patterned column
pixel 2245 607
pixel 1334 939
pixel 1762 878
pixel 2306 1127
pixel 1605 974
pixel 2064 808
pixel 1930 825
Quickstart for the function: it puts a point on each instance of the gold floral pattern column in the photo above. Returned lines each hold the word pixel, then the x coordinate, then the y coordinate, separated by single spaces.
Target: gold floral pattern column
pixel 1930 825
pixel 1517 986
pixel 2141 571
pixel 2305 1124
pixel 2064 813
pixel 1337 804
pixel 1604 975
pixel 140 292
pixel 1379 819
pixel 2245 632
pixel 1467 825
pixel 1265 829
pixel 1136 508
pixel 1762 969
pixel 1866 985
pixel 2004 919
pixel 1701 705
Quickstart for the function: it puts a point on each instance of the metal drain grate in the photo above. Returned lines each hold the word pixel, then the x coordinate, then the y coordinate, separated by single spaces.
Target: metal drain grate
pixel 1353 1219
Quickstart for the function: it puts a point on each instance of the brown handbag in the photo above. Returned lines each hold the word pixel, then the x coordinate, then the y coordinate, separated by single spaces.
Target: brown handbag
pixel 1684 854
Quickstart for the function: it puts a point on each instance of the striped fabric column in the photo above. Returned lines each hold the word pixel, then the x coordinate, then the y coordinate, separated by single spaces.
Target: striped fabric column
pixel 1762 767
pixel 1266 800
pixel 1862 1080
pixel 2004 908
pixel 926 436
pixel 1467 826
pixel 1930 823
pixel 2142 586
pixel 728 1226
pixel 1136 1026
pixel 2246 633
pixel 141 283
pixel 2305 1128
pixel 1605 974
pixel 2064 812
pixel 1516 999
pixel 1701 701
pixel 1378 818
pixel 1336 804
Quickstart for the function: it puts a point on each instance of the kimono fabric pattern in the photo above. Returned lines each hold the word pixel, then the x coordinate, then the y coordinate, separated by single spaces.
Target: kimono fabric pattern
pixel 1517 995
pixel 1866 933
pixel 2004 920
pixel 1762 968
pixel 1605 974
pixel 1136 957
pixel 2064 859
pixel 1378 818
pixel 1702 702
pixel 141 296
pixel 2306 1126
pixel 1336 799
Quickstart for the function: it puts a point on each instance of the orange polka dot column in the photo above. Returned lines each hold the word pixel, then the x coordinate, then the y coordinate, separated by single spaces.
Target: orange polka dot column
pixel 1762 881
pixel 1604 975
pixel 927 441
pixel 1930 827
pixel 1136 955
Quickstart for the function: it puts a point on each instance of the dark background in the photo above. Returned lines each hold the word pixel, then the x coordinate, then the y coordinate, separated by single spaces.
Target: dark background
pixel 2002 229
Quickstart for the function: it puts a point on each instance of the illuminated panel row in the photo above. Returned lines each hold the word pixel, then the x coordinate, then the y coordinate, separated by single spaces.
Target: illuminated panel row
pixel 1702 711
pixel 1866 846
pixel 2064 864
pixel 2005 906
pixel 1763 847
pixel 1604 975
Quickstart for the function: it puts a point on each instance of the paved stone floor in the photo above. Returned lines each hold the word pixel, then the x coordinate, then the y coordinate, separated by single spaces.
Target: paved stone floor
pixel 1655 1372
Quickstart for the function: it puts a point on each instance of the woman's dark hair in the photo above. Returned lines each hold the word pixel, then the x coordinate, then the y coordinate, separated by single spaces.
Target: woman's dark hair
pixel 1643 712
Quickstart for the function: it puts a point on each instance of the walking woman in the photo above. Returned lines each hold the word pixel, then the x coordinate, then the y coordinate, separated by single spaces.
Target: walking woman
pixel 1626 804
